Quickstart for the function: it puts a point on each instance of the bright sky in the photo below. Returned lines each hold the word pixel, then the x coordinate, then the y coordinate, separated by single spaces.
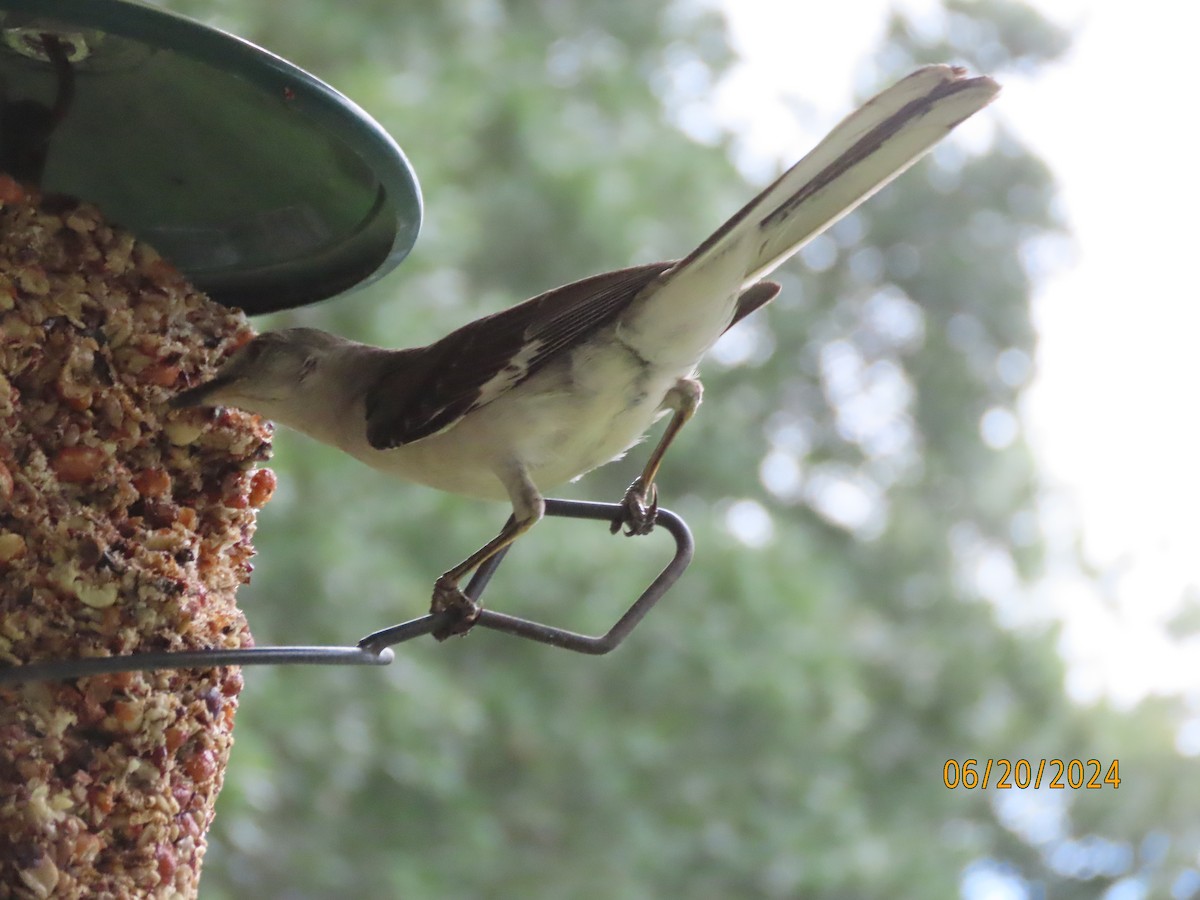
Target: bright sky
pixel 1112 414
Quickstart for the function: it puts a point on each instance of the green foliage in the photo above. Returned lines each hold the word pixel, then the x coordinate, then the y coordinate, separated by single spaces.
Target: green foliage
pixel 778 728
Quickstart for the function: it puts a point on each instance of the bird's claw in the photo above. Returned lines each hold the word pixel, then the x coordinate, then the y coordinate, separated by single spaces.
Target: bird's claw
pixel 449 598
pixel 639 509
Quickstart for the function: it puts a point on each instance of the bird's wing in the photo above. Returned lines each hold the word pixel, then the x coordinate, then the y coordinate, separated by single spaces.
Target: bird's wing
pixel 477 363
pixel 754 297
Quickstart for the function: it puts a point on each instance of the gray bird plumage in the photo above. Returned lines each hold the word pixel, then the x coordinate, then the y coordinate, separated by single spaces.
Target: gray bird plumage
pixel 551 388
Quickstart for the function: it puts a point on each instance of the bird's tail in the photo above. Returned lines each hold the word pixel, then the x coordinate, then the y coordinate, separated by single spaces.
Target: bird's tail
pixel 864 152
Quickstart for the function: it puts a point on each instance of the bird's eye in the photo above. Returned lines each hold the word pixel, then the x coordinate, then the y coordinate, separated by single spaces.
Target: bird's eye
pixel 308 366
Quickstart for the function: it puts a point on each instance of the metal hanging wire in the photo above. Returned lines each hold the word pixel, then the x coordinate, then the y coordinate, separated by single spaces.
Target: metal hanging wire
pixel 376 649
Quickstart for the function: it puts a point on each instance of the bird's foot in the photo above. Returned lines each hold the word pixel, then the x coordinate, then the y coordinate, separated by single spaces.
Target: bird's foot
pixel 449 598
pixel 639 509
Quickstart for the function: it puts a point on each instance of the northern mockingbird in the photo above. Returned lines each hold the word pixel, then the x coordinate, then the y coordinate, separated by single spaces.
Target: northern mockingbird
pixel 542 392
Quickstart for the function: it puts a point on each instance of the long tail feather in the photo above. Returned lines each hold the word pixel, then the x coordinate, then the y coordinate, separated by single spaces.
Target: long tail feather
pixel 863 153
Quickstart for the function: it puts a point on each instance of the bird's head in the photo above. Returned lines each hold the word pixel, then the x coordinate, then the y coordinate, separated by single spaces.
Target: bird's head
pixel 273 373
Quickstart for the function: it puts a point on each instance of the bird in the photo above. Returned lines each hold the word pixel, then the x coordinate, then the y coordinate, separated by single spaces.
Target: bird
pixel 543 392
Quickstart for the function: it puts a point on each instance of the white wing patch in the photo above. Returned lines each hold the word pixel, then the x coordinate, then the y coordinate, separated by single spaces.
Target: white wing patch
pixel 512 374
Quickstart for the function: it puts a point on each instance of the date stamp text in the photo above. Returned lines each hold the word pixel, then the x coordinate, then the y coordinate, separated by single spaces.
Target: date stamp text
pixel 1058 774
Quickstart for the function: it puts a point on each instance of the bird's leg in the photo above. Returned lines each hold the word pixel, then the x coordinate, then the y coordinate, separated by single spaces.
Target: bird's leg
pixel 639 507
pixel 528 508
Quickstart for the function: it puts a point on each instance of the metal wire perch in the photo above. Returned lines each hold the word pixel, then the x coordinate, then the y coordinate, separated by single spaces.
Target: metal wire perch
pixel 376 649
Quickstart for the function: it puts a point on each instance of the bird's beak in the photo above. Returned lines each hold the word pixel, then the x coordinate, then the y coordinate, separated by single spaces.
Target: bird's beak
pixel 203 394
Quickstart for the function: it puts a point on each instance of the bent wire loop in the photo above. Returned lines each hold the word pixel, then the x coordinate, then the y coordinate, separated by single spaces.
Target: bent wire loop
pixel 376 649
